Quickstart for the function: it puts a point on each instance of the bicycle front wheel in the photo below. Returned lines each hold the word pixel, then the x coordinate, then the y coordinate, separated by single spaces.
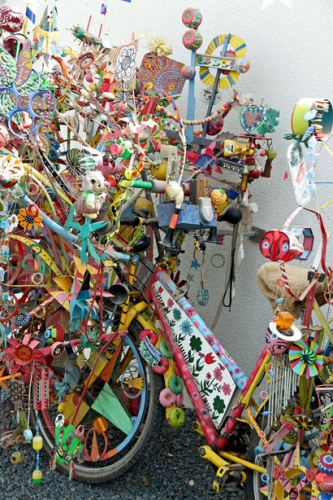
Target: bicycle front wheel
pixel 120 410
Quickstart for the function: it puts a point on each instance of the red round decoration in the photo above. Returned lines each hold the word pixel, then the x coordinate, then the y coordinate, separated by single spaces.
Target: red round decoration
pixel 23 355
pixel 278 245
pixel 11 18
pixel 215 126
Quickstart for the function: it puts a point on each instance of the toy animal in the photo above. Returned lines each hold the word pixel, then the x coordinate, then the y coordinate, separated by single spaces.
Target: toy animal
pixel 93 195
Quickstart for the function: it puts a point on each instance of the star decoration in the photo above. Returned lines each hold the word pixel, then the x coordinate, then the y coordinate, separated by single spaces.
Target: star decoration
pixel 189 277
pixel 266 3
pixel 195 264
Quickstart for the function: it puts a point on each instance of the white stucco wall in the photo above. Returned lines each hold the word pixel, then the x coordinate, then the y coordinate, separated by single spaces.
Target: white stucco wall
pixel 291 57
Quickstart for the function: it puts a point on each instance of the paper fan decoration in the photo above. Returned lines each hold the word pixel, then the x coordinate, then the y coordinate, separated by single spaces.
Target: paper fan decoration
pixel 305 359
pixel 163 73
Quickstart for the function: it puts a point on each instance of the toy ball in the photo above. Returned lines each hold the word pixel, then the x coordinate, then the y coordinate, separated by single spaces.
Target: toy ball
pixel 188 72
pixel 192 39
pixel 11 18
pixel 243 65
pixel 215 126
pixel 192 18
pixel 17 458
pixel 143 203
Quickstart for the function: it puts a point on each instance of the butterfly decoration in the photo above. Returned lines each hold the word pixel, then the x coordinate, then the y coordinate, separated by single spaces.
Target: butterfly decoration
pixel 25 106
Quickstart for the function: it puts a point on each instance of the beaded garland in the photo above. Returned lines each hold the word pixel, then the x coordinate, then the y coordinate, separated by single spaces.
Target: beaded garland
pixel 225 108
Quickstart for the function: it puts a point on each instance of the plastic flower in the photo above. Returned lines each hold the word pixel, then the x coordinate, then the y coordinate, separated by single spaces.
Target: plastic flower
pixel 305 359
pixel 29 218
pixel 159 44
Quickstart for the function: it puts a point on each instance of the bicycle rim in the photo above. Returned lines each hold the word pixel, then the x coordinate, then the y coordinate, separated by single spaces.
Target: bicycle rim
pixel 110 449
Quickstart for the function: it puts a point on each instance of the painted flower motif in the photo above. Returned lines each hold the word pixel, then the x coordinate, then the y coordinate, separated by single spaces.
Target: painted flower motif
pixel 218 373
pixel 29 218
pixel 176 314
pixel 208 376
pixel 190 311
pixel 186 327
pixel 170 303
pixel 226 389
pixel 126 62
pixel 196 345
pixel 219 404
pixel 210 339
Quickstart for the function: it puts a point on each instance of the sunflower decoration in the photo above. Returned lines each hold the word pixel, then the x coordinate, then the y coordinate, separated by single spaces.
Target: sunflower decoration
pixel 29 218
pixel 305 358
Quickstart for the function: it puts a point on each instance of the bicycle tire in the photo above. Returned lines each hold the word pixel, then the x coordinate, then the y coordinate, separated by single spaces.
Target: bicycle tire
pixel 150 415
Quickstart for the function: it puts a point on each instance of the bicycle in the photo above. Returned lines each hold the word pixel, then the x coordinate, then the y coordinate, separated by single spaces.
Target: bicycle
pixel 128 352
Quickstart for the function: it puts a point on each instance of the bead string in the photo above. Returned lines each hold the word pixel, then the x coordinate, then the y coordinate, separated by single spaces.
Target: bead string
pixel 223 110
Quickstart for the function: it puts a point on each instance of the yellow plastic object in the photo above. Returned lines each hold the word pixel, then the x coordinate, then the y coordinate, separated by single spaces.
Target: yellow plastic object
pixel 71 406
pixel 37 443
pixel 284 320
pixel 160 171
pixel 235 148
pixel 37 476
pixel 322 121
pixel 101 423
pixel 142 202
pixel 96 363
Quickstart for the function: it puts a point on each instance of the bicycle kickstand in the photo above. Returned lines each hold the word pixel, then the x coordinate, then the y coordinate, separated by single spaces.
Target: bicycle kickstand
pixel 228 476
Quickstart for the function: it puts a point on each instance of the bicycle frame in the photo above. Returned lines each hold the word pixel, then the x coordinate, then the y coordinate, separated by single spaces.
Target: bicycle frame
pixel 217 436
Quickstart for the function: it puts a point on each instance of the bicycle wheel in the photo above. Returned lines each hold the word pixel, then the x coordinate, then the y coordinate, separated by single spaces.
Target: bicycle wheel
pixel 303 432
pixel 120 429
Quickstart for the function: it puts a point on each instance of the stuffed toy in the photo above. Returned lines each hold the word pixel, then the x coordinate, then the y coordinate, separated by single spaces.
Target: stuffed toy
pixel 93 195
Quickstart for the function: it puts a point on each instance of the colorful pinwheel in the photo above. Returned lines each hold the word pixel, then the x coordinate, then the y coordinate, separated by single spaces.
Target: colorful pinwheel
pixel 305 358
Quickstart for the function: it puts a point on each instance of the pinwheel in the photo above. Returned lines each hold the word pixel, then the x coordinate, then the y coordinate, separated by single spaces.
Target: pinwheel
pixel 305 358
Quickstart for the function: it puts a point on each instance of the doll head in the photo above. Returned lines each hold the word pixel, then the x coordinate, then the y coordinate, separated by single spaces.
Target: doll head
pixel 275 345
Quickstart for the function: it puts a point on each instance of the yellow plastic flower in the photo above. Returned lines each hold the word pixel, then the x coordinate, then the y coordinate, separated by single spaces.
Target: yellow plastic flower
pixel 159 44
pixel 29 218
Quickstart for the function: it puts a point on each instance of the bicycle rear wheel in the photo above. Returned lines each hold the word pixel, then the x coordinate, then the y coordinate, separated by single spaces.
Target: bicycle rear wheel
pixel 121 417
pixel 301 413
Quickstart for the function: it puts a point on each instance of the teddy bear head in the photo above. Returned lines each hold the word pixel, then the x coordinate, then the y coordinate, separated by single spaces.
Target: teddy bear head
pixel 94 181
